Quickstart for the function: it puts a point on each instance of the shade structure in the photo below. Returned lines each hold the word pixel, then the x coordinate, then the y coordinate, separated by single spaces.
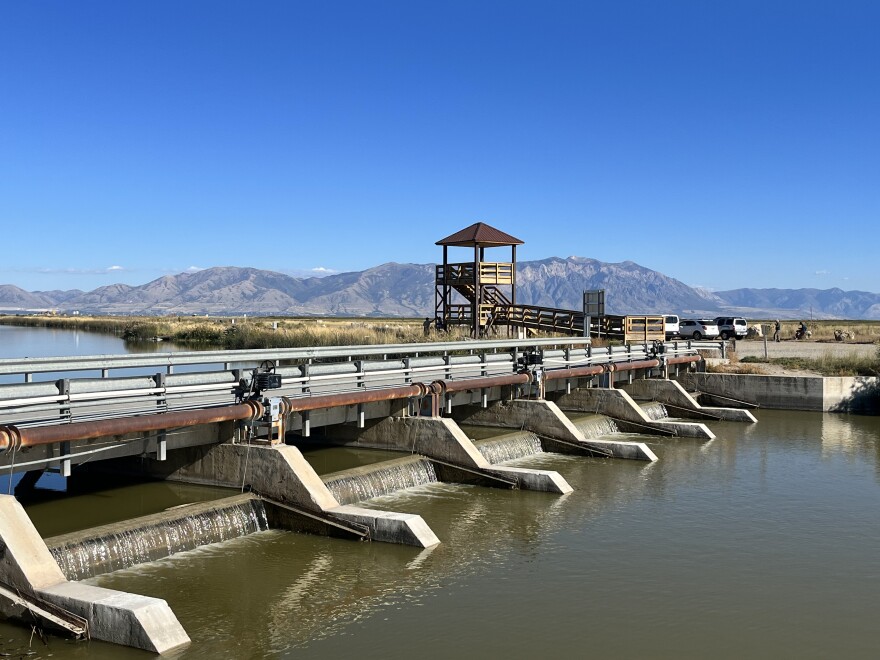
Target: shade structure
pixel 479 234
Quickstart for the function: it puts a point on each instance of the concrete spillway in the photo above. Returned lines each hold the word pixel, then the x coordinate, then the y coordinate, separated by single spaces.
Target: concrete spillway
pixel 363 483
pixel 112 547
pixel 509 446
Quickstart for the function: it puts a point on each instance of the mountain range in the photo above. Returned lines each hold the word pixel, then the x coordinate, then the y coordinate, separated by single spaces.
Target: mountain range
pixel 394 289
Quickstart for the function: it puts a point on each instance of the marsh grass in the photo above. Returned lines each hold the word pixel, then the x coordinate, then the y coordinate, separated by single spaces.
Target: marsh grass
pixel 243 333
pixel 863 331
pixel 827 365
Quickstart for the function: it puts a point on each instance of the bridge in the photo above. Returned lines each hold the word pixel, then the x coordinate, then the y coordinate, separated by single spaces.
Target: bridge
pixel 237 419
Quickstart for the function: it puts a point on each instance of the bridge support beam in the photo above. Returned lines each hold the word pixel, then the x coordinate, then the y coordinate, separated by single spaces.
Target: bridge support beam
pixel 620 406
pixel 671 394
pixel 28 567
pixel 549 423
pixel 281 473
pixel 441 439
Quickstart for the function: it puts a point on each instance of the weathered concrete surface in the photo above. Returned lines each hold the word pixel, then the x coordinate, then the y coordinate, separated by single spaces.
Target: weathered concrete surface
pixel 390 527
pixel 549 423
pixel 442 439
pixel 119 617
pixel 113 616
pixel 282 474
pixel 671 393
pixel 815 393
pixel 620 405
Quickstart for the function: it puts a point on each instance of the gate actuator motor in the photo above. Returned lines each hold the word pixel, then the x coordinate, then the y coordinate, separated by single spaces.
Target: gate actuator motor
pixel 264 378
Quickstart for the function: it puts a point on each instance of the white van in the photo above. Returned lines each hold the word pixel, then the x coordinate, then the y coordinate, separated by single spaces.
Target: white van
pixel 670 322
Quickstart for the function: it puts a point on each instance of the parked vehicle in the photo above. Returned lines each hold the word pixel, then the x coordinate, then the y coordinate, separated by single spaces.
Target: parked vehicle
pixel 698 329
pixel 670 322
pixel 732 327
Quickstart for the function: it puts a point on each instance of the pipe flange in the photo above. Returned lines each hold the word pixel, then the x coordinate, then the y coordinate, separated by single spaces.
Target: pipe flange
pixel 10 436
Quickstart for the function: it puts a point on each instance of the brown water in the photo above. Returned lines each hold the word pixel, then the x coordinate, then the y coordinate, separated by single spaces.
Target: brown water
pixel 761 543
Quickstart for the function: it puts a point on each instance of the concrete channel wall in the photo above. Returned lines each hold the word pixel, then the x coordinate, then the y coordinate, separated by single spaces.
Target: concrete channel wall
pixel 811 393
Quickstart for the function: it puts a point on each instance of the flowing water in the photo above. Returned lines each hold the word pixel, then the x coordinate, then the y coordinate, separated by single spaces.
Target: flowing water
pixel 510 447
pixel 150 540
pixel 594 426
pixel 382 479
pixel 654 410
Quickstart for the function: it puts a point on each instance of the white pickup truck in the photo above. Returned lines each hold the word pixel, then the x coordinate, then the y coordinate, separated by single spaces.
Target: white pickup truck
pixel 670 323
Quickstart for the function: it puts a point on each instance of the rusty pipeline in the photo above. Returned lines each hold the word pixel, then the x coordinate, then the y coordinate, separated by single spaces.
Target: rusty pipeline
pixel 574 372
pixel 302 404
pixel 444 386
pixel 12 437
pixel 683 359
pixel 632 366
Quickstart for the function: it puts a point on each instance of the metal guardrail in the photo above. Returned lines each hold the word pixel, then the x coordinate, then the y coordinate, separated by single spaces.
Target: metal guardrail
pixel 73 398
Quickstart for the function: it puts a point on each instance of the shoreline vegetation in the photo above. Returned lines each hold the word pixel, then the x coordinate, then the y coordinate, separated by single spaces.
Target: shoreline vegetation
pixel 238 333
pixel 241 333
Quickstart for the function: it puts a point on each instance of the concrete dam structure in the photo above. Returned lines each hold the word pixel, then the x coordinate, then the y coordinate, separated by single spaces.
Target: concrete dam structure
pixel 456 412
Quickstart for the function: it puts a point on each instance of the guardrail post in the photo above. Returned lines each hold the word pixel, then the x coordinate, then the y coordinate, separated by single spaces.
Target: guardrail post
pixel 28 377
pixel 161 401
pixel 361 416
pixel 64 390
pixel 169 369
pixel 65 462
pixel 306 420
pixel 105 373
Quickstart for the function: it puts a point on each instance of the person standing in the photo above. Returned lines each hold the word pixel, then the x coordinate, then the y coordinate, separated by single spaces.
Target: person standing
pixel 776 331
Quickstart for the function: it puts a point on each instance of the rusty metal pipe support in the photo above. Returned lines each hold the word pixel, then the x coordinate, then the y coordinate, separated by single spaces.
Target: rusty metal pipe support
pixel 13 438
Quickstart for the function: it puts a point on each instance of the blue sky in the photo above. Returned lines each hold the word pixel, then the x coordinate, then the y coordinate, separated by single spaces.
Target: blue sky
pixel 727 144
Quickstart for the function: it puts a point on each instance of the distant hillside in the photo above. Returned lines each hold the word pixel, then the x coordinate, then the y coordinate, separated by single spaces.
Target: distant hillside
pixel 823 303
pixel 394 289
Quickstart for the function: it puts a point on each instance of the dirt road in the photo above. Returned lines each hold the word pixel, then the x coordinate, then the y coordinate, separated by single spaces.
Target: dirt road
pixel 809 349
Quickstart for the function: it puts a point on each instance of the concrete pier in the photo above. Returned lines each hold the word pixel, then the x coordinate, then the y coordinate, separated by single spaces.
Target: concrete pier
pixel 620 406
pixel 28 567
pixel 549 423
pixel 441 438
pixel 673 395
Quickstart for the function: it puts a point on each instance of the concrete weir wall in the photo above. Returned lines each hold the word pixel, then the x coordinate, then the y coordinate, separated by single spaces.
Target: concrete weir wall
pixel 673 395
pixel 620 406
pixel 440 438
pixel 27 566
pixel 282 474
pixel 813 393
pixel 549 423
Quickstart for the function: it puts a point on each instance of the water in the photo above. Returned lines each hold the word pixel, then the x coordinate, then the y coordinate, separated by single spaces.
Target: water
pixel 383 479
pixel 654 410
pixel 23 342
pixel 510 447
pixel 761 543
pixel 594 426
pixel 143 543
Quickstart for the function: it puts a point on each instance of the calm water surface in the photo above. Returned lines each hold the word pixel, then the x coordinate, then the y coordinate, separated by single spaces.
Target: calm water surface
pixel 762 543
